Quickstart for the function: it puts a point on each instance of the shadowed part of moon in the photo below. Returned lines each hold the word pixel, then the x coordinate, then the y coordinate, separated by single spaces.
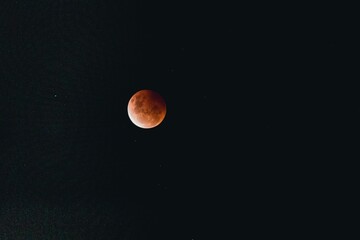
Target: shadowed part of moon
pixel 146 109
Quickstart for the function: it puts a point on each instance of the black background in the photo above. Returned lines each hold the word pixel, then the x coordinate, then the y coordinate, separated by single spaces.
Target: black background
pixel 246 86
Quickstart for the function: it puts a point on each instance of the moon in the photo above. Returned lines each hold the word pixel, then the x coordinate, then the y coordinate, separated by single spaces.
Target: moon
pixel 146 108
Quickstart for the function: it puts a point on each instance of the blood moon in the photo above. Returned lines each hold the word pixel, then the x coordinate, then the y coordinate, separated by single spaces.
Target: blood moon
pixel 146 108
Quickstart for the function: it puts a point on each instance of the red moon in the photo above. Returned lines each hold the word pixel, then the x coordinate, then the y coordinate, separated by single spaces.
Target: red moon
pixel 146 108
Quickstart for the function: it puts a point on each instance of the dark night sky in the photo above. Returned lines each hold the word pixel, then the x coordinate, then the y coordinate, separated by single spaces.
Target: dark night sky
pixel 241 85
